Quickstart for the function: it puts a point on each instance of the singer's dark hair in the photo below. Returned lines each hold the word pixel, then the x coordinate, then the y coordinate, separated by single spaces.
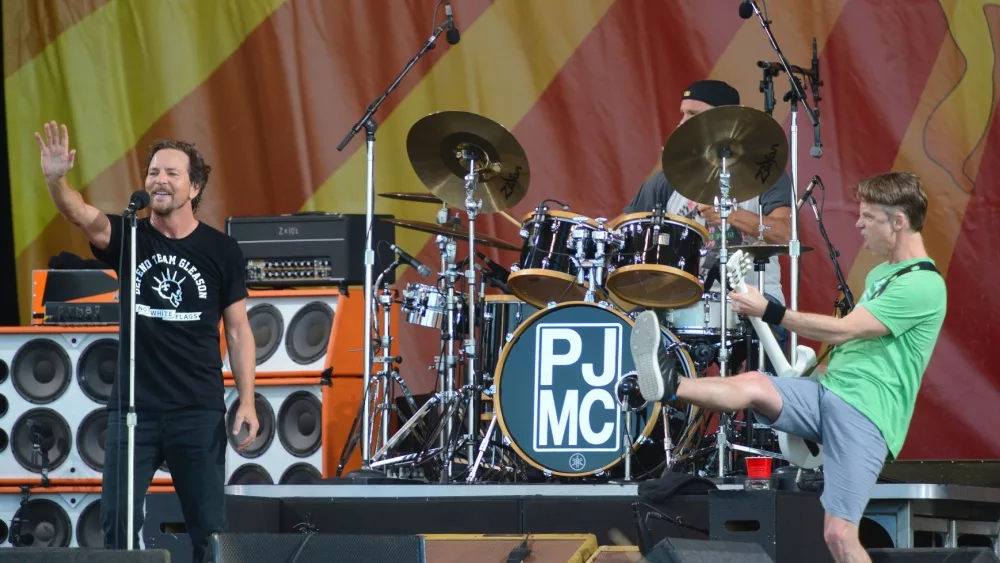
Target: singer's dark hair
pixel 198 170
pixel 896 190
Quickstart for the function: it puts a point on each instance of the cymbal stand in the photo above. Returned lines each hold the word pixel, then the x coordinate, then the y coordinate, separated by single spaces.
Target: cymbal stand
pixel 759 264
pixel 724 206
pixel 796 96
pixel 472 208
pixel 584 272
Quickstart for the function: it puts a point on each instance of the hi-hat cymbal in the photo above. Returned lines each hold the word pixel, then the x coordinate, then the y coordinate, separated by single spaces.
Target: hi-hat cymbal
pixel 755 142
pixel 410 196
pixel 452 230
pixel 440 146
pixel 766 249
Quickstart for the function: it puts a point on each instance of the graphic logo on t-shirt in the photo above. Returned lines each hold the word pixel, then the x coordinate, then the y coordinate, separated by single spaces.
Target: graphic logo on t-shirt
pixel 168 282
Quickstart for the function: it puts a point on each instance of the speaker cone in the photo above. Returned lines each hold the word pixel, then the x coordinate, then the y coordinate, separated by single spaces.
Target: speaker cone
pixel 96 369
pixel 45 429
pixel 309 333
pixel 268 328
pixel 91 437
pixel 88 527
pixel 41 523
pixel 300 423
pixel 300 474
pixel 41 371
pixel 251 474
pixel 265 432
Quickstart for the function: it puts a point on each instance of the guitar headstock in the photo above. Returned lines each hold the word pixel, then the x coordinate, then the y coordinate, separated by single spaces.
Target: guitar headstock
pixel 737 267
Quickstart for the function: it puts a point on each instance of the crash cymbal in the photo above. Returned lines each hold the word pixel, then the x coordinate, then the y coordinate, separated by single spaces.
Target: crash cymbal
pixel 410 196
pixel 765 249
pixel 440 145
pixel 452 230
pixel 756 144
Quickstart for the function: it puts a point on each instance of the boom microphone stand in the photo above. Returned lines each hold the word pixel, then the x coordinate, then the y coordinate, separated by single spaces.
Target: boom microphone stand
pixel 796 95
pixel 138 201
pixel 845 305
pixel 368 123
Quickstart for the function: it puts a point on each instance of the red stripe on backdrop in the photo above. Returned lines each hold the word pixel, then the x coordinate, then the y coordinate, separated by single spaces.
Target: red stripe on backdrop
pixel 30 25
pixel 875 66
pixel 270 118
pixel 956 410
pixel 598 129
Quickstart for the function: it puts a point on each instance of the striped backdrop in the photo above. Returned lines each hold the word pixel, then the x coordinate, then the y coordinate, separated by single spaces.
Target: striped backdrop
pixel 590 88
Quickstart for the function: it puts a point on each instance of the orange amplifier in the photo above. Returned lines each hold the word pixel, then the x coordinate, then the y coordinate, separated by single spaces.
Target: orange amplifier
pixel 74 297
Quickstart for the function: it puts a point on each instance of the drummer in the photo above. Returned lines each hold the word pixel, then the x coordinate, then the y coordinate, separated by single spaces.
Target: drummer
pixel 744 220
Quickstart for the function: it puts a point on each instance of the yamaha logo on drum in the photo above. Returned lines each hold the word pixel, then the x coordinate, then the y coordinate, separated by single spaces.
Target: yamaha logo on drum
pixel 577 368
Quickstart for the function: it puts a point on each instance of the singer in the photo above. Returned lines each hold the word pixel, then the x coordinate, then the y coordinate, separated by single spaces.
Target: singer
pixel 189 276
pixel 860 408
pixel 743 222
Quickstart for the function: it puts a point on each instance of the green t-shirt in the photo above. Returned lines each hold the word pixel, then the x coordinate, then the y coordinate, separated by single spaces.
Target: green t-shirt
pixel 881 376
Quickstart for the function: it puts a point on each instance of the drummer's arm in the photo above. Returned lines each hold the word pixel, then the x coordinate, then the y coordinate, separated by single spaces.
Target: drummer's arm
pixel 778 224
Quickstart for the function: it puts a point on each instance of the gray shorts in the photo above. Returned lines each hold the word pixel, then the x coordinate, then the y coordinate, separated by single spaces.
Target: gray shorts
pixel 853 447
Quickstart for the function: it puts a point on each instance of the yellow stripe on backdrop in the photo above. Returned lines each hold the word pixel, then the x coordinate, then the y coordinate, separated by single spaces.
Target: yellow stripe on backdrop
pixel 109 78
pixel 504 62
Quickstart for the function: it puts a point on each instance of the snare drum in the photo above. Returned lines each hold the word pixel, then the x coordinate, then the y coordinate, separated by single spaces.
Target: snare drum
pixel 547 271
pixel 426 305
pixel 557 390
pixel 657 265
pixel 704 318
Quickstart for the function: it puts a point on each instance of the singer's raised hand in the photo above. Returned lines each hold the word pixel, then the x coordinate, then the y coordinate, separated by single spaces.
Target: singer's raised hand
pixel 57 158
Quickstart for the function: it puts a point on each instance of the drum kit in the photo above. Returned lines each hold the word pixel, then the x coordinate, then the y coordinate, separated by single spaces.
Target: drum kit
pixel 535 379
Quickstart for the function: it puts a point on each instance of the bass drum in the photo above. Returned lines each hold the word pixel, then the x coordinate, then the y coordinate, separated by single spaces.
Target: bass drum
pixel 557 386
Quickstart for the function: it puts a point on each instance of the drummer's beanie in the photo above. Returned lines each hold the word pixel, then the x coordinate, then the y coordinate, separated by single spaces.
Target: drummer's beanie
pixel 712 92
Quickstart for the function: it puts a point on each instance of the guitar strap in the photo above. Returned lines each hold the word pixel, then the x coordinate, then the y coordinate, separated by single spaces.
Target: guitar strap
pixel 922 265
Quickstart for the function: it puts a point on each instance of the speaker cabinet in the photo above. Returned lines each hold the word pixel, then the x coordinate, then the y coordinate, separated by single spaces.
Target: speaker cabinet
pixel 83 555
pixel 288 447
pixel 616 554
pixel 933 555
pixel 677 550
pixel 291 330
pixel 54 385
pixel 554 548
pixel 788 525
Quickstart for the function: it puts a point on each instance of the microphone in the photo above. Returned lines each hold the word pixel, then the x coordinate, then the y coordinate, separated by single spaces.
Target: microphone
pixel 405 257
pixel 497 270
pixel 808 193
pixel 452 35
pixel 746 10
pixel 138 201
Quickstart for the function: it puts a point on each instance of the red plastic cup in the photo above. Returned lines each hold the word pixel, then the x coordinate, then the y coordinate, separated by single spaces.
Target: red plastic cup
pixel 759 467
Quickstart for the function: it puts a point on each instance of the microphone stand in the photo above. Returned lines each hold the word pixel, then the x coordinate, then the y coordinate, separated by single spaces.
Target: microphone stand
pixel 845 305
pixel 368 123
pixel 131 419
pixel 796 95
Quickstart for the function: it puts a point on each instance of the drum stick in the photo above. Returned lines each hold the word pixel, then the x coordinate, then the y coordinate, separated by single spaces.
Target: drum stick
pixel 511 219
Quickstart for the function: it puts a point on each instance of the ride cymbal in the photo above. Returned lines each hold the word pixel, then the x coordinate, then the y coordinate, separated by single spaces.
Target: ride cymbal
pixel 452 230
pixel 410 196
pixel 441 145
pixel 755 143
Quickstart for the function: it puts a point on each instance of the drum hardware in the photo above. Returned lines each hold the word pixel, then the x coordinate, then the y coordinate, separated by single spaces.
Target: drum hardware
pixel 379 391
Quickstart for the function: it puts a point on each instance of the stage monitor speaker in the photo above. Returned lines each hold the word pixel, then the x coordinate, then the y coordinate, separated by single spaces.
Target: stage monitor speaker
pixel 82 555
pixel 543 548
pixel 616 554
pixel 315 548
pixel 933 555
pixel 677 550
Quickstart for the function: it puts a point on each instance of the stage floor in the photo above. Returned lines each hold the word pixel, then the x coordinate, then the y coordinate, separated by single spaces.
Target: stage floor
pixel 902 510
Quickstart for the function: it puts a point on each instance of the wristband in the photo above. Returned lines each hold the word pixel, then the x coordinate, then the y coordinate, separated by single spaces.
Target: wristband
pixel 773 313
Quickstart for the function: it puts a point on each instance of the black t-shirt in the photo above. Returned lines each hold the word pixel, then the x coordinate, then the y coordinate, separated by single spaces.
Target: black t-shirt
pixel 183 287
